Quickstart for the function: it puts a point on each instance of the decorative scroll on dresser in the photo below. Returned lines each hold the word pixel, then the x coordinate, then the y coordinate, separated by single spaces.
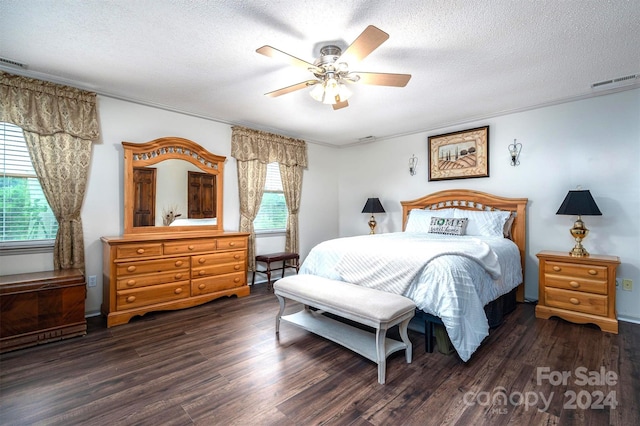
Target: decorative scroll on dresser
pixel 154 272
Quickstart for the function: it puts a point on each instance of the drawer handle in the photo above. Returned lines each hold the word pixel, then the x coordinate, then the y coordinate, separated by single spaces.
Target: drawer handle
pixel 178 276
pixel 191 247
pixel 201 286
pixel 231 244
pixel 202 260
pixel 236 280
pixel 574 301
pixel 131 268
pixel 131 283
pixel 236 267
pixel 178 290
pixel 574 284
pixel 201 272
pixel 140 251
pixel 178 263
pixel 237 256
pixel 593 272
pixel 131 299
pixel 557 268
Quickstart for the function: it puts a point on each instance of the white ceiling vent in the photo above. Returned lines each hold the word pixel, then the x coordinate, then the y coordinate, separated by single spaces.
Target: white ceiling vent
pixel 616 82
pixel 13 64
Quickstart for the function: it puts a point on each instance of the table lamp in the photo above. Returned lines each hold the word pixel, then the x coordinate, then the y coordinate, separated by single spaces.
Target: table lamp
pixel 580 203
pixel 372 206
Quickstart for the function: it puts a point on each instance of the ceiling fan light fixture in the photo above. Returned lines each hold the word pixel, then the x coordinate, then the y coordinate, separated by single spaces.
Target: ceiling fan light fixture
pixel 317 92
pixel 343 92
pixel 331 90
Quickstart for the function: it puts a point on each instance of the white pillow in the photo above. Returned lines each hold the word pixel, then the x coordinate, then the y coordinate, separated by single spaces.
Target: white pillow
pixel 420 219
pixel 448 226
pixel 484 223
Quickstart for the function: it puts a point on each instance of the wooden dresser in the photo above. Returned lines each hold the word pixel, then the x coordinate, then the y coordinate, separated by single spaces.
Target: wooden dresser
pixel 41 307
pixel 154 272
pixel 578 289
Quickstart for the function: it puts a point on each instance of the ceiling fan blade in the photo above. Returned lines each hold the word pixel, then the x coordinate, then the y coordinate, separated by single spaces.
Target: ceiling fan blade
pixel 272 52
pixel 291 88
pixel 381 79
pixel 339 105
pixel 370 39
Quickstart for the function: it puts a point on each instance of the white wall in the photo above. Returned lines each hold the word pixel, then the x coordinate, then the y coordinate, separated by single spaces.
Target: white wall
pixel 102 212
pixel 594 143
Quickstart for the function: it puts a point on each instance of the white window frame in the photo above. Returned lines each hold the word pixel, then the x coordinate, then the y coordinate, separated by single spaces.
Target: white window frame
pixel 273 184
pixel 21 246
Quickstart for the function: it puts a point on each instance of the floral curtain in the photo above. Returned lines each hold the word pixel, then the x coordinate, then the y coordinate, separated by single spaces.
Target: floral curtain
pixel 59 124
pixel 254 149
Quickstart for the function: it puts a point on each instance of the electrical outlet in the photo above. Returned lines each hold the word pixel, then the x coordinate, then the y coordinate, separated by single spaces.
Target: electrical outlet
pixel 92 281
pixel 627 284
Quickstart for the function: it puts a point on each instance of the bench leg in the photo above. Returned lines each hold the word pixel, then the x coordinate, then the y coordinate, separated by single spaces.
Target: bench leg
pixel 268 271
pixel 402 328
pixel 381 350
pixel 282 302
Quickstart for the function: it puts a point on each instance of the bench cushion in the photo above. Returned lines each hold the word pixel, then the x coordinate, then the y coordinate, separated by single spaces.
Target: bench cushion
pixel 372 305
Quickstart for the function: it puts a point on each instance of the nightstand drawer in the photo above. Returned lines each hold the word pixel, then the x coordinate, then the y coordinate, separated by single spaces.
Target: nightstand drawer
pixel 575 283
pixel 576 301
pixel 576 270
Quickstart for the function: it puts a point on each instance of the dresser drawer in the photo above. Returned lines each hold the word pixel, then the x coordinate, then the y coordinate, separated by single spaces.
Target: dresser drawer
pixel 576 270
pixel 149 266
pixel 576 301
pixel 133 251
pixel 135 298
pixel 216 269
pixel 576 283
pixel 232 243
pixel 134 281
pixel 214 258
pixel 186 247
pixel 217 283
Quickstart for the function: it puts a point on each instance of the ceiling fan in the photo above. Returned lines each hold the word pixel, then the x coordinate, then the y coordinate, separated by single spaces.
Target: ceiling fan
pixel 331 69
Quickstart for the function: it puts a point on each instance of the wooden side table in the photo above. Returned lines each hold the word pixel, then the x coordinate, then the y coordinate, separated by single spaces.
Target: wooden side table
pixel 41 307
pixel 578 289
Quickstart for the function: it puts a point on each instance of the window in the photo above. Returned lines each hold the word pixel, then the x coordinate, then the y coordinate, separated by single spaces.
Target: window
pixel 273 213
pixel 25 214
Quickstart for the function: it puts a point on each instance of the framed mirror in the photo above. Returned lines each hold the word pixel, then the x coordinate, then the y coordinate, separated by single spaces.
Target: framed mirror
pixel 172 185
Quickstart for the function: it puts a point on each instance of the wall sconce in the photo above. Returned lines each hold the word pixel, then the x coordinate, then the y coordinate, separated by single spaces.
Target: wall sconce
pixel 413 165
pixel 514 151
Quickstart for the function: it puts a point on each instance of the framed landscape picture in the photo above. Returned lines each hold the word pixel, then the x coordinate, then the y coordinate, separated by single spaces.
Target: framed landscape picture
pixel 459 155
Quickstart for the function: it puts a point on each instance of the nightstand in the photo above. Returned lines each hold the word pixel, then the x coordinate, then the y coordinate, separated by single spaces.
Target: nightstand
pixel 578 289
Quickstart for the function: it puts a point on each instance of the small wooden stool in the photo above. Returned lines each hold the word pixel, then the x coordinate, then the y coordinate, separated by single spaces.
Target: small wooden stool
pixel 276 257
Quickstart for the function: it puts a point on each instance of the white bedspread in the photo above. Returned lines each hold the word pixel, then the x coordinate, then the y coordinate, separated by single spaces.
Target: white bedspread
pixel 450 277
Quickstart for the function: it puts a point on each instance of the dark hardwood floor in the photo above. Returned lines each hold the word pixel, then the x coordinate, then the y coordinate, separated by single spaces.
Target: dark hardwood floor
pixel 221 364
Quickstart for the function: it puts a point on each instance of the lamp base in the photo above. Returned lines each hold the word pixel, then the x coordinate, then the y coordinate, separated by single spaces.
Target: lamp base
pixel 372 225
pixel 579 232
pixel 579 251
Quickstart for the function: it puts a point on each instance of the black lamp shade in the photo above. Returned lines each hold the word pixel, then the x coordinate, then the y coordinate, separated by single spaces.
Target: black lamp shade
pixel 579 203
pixel 373 205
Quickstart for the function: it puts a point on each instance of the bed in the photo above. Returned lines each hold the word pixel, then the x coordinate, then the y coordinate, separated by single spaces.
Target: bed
pixel 449 276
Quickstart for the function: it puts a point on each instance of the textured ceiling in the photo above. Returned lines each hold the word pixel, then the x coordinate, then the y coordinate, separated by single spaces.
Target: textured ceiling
pixel 469 59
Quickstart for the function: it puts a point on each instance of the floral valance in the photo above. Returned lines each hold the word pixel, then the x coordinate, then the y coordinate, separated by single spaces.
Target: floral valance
pixel 248 144
pixel 47 108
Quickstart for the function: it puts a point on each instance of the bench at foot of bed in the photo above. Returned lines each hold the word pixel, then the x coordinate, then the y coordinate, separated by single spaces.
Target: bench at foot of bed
pixel 362 305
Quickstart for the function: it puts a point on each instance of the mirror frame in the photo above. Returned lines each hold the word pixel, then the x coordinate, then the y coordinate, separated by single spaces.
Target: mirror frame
pixel 167 148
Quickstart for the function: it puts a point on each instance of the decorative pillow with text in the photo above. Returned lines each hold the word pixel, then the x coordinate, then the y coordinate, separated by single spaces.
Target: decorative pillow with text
pixel 448 226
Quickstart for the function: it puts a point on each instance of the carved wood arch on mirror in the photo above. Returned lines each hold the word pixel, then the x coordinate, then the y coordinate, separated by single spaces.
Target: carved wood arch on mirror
pixel 162 195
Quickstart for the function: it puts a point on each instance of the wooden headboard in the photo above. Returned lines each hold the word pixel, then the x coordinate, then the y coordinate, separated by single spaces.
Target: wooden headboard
pixel 476 200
